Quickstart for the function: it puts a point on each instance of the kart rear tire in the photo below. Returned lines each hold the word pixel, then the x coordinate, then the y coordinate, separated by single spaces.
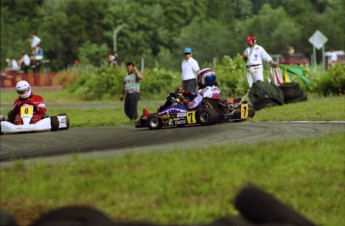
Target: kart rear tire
pixel 154 121
pixel 54 122
pixel 207 116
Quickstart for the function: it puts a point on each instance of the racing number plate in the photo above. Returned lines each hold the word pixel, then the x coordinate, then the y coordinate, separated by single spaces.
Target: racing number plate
pixel 26 110
pixel 244 111
pixel 191 117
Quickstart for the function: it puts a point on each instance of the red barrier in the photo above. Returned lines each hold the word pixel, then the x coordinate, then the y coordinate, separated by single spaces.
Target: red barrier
pixel 10 79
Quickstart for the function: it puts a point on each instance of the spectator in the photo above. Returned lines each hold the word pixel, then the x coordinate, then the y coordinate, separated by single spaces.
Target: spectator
pixel 131 88
pixel 76 62
pixel 190 69
pixel 37 55
pixel 24 62
pixel 334 58
pixel 253 56
pixel 116 58
pixel 34 40
pixel 113 59
pixel 12 65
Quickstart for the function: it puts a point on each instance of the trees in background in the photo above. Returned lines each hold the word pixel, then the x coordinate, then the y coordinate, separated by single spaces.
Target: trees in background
pixel 158 30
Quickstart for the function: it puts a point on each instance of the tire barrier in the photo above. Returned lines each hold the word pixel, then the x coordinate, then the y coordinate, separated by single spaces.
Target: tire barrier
pixel 292 92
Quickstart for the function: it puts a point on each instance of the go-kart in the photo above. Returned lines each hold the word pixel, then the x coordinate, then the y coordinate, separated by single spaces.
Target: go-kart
pixel 29 123
pixel 210 112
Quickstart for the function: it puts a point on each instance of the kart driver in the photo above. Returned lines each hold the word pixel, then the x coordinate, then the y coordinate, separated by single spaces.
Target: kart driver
pixel 26 97
pixel 207 89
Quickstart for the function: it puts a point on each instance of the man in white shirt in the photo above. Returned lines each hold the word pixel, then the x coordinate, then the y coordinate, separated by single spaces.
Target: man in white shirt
pixel 334 58
pixel 190 69
pixel 253 57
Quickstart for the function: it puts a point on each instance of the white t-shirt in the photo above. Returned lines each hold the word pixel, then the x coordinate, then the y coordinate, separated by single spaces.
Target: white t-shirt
pixel 334 57
pixel 189 69
pixel 256 54
pixel 26 59
pixel 35 41
pixel 13 66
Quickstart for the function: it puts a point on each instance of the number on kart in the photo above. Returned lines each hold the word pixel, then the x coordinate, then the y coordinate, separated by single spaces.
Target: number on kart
pixel 244 111
pixel 26 110
pixel 191 117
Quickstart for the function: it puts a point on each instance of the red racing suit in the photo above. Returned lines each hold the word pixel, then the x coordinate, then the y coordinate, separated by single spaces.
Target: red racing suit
pixel 35 100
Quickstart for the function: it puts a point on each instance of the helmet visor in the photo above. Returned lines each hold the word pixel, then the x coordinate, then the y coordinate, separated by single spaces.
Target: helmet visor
pixel 21 92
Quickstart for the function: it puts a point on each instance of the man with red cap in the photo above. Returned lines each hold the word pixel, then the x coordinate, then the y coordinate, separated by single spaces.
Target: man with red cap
pixel 253 57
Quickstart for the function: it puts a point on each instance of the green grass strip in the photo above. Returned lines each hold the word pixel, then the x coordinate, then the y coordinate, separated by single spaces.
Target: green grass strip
pixel 186 186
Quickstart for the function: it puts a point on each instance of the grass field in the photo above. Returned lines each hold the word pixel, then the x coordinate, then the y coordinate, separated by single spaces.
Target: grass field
pixel 193 185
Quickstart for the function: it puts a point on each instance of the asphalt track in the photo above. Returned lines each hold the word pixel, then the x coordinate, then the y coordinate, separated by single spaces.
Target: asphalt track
pixel 118 140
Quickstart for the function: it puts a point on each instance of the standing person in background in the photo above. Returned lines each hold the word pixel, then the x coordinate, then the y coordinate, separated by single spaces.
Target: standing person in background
pixel 116 58
pixel 34 40
pixel 190 69
pixel 334 58
pixel 253 56
pixel 131 91
pixel 24 64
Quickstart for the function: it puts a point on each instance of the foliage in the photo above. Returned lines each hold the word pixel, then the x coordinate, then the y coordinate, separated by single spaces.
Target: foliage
pixel 332 82
pixel 158 83
pixel 158 30
pixel 93 54
pixel 97 83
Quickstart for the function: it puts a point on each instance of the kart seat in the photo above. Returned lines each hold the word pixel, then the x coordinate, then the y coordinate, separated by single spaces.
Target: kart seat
pixel 211 102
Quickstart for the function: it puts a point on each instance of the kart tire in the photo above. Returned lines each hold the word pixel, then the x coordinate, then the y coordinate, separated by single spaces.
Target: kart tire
pixel 289 86
pixel 207 116
pixel 266 102
pixel 297 99
pixel 251 112
pixel 292 95
pixel 54 122
pixel 154 121
pixel 67 121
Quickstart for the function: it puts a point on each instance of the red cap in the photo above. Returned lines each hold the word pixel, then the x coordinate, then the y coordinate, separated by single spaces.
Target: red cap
pixel 250 38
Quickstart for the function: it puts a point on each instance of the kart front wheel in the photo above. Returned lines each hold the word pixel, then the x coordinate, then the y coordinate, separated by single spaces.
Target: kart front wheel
pixel 154 121
pixel 54 122
pixel 207 116
pixel 66 120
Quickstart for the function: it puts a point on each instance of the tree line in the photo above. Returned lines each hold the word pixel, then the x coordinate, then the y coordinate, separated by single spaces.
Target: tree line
pixel 158 30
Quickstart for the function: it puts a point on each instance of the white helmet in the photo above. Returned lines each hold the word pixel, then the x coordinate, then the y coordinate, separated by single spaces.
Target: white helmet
pixel 23 89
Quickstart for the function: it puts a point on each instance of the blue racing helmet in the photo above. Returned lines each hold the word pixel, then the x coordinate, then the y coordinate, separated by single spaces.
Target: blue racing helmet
pixel 206 77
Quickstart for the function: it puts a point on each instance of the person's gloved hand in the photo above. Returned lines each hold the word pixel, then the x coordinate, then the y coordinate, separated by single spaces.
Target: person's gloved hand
pixel 17 106
pixel 186 102
pixel 190 105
